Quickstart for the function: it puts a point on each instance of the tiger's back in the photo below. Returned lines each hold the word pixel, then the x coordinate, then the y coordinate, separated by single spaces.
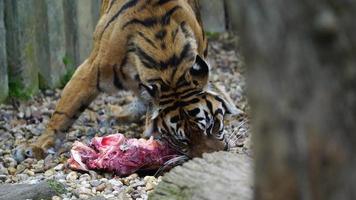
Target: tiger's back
pixel 146 40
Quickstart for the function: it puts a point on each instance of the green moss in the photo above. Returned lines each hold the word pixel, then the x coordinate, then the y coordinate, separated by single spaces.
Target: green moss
pixel 17 90
pixel 70 66
pixel 57 187
pixel 212 35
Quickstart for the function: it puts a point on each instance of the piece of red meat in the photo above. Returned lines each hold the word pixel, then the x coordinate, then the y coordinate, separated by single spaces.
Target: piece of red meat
pixel 115 153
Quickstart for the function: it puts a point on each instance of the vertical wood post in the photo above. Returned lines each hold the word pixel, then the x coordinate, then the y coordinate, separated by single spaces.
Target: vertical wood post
pixel 87 18
pixel 3 60
pixel 213 15
pixel 21 45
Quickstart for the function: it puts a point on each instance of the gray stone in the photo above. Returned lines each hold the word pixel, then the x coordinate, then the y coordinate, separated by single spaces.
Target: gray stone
pixel 213 15
pixel 22 47
pixel 3 60
pixel 216 175
pixel 42 190
pixel 87 18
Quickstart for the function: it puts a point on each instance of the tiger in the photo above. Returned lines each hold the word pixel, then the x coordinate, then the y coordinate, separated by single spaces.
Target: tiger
pixel 157 49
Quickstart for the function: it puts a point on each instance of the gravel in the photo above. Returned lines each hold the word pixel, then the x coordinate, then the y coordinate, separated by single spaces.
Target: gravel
pixel 24 121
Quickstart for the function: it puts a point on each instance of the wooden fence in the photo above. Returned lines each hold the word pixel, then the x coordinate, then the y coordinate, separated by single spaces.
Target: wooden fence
pixel 42 41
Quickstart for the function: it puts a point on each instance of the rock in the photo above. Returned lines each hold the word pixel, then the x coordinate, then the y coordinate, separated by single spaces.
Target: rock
pixel 85 177
pixel 41 190
pixel 72 176
pixel 3 170
pixel 11 170
pixel 84 196
pixel 49 173
pixel 22 177
pixel 101 187
pixel 3 178
pixel 95 183
pixel 56 198
pixel 59 167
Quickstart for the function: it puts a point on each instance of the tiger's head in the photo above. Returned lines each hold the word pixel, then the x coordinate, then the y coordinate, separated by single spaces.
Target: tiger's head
pixel 174 78
pixel 191 117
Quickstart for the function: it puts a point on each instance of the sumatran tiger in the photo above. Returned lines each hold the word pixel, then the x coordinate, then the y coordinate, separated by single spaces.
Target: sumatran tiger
pixel 157 49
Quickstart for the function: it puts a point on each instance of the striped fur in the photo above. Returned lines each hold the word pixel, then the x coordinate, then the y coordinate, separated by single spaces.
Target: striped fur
pixel 156 48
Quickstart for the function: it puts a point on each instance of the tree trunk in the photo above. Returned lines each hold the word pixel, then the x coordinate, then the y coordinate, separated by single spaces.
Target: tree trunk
pixel 301 57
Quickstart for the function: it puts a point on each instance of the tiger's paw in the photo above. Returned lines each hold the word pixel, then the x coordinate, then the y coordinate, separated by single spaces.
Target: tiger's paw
pixel 28 151
pixel 39 149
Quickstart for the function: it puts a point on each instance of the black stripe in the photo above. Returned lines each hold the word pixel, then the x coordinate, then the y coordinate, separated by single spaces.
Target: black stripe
pixel 210 106
pixel 121 69
pixel 177 94
pixel 191 94
pixel 207 118
pixel 82 107
pixel 174 119
pixel 167 17
pixel 98 81
pixel 116 80
pixel 161 34
pixel 147 60
pixel 111 4
pixel 123 8
pixel 180 104
pixel 151 21
pixel 222 102
pixel 149 41
pixel 161 2
pixel 148 22
pixel 194 112
pixel 162 103
pixel 219 111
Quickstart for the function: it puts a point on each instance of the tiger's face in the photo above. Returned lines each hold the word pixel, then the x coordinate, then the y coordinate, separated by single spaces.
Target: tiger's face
pixel 190 118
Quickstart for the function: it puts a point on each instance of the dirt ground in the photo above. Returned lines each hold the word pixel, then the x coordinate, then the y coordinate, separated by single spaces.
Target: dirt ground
pixel 24 121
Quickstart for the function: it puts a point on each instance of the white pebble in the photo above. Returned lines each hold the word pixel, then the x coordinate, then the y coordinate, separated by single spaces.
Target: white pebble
pixel 72 176
pixel 59 167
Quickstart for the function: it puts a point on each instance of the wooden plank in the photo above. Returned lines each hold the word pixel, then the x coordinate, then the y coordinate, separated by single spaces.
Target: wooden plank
pixel 219 175
pixel 213 15
pixel 21 44
pixel 87 18
pixel 52 72
pixel 3 60
pixel 71 35
pixel 233 15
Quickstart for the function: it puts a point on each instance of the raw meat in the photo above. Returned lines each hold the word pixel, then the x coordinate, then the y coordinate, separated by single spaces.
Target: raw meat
pixel 115 153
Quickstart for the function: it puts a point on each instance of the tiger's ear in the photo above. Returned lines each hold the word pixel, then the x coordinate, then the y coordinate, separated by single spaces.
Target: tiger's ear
pixel 199 72
pixel 200 68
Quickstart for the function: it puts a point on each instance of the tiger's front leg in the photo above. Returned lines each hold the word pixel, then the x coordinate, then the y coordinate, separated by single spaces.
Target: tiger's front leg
pixel 80 91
